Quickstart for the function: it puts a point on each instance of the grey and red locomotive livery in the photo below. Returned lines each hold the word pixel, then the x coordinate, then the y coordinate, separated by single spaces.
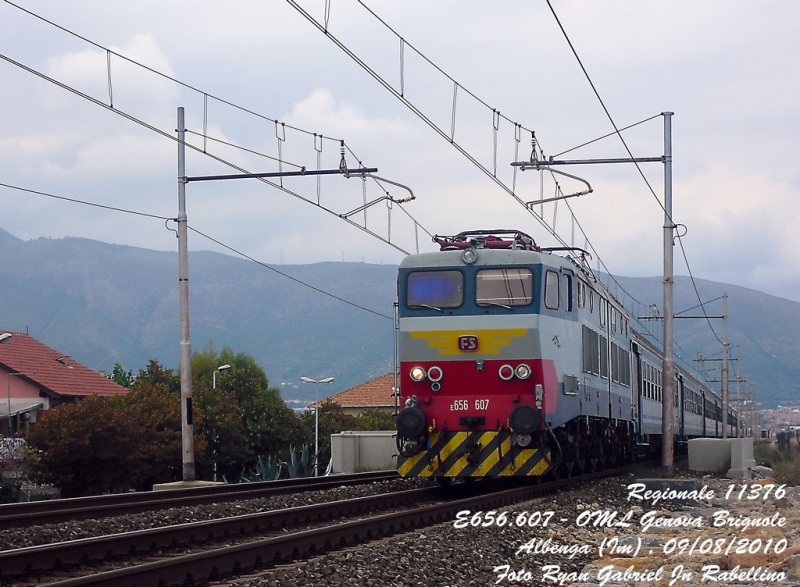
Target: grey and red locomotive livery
pixel 515 361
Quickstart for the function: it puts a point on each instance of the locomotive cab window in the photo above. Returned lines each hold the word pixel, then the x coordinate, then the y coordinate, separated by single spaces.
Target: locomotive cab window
pixel 504 287
pixel 551 293
pixel 435 289
pixel 568 292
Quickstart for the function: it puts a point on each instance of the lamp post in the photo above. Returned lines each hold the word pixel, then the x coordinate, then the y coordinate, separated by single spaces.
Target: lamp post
pixel 214 376
pixel 316 418
pixel 224 367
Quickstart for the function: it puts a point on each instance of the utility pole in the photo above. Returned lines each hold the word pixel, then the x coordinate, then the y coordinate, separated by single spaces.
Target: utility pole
pixel 187 426
pixel 187 423
pixel 668 362
pixel 667 366
pixel 724 377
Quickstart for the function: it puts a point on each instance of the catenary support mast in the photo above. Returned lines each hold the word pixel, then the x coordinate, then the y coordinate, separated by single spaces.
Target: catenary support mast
pixel 668 362
pixel 187 425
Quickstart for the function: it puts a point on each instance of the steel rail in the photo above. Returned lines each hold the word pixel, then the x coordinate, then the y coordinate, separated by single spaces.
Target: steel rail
pixel 82 508
pixel 222 562
pixel 46 557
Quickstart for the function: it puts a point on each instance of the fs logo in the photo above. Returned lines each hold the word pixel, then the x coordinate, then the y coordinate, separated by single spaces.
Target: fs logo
pixel 468 343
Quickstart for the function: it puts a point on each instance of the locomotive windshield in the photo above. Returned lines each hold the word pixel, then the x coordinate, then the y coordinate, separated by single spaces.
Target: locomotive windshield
pixel 437 289
pixel 504 287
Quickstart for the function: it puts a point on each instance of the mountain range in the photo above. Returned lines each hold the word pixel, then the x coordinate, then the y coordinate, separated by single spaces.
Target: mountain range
pixel 105 304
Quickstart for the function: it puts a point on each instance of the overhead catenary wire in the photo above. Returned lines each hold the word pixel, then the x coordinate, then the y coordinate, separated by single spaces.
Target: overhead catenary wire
pixel 403 44
pixel 421 115
pixel 618 132
pixel 496 115
pixel 204 235
pixel 170 135
pixel 287 276
pixel 206 96
pixel 318 139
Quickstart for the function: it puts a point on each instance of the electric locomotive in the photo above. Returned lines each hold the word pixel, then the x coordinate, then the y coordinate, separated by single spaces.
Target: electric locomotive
pixel 513 361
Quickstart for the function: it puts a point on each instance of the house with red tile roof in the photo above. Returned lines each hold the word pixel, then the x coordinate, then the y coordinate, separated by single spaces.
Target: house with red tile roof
pixel 37 378
pixel 376 394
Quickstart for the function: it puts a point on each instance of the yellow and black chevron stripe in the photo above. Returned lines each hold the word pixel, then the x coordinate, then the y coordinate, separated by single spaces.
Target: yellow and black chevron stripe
pixel 474 454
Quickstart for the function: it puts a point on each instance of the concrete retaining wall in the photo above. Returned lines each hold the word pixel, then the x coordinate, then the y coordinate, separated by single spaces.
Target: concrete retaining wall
pixel 732 456
pixel 363 451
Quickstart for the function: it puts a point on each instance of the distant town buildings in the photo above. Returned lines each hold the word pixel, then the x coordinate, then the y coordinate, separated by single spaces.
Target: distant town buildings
pixel 782 417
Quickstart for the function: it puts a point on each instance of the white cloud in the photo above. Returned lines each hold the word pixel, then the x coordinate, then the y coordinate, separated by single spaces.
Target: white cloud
pixel 729 71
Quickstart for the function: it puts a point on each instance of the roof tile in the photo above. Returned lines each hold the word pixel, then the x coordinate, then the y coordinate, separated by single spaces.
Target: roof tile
pixel 376 393
pixel 52 370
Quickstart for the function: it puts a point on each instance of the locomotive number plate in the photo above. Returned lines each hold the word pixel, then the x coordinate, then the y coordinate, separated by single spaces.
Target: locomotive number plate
pixel 461 405
pixel 468 343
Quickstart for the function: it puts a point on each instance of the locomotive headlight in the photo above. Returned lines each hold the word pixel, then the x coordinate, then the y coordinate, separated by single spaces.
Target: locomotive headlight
pixel 435 373
pixel 523 371
pixel 506 372
pixel 417 374
pixel 469 256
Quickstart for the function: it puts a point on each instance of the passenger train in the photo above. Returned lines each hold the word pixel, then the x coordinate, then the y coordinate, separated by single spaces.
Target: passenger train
pixel 514 360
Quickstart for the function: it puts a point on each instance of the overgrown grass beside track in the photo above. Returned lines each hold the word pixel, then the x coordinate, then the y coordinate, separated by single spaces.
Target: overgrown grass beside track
pixel 785 464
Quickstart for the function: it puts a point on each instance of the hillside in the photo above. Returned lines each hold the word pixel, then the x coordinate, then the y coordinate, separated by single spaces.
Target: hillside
pixel 104 304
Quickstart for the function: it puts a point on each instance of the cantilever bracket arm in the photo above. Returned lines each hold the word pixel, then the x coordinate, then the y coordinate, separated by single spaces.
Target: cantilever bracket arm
pixel 382 198
pixel 539 165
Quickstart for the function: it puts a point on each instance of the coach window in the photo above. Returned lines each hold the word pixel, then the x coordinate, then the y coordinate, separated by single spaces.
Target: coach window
pixel 551 293
pixel 504 287
pixel 435 289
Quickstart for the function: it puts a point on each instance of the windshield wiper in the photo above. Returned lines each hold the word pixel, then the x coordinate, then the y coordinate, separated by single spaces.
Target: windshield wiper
pixel 428 306
pixel 492 303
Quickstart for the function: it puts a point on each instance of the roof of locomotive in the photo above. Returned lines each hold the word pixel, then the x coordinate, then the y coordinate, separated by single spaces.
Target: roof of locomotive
pixel 485 257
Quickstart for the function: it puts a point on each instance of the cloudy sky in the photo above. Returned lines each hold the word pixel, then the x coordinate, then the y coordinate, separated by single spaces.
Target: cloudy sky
pixel 89 101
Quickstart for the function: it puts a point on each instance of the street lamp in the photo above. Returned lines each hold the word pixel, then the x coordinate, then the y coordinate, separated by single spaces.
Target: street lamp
pixel 214 375
pixel 316 418
pixel 224 367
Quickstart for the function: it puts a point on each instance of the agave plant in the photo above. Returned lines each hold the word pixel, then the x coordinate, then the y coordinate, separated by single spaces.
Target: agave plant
pixel 269 470
pixel 303 465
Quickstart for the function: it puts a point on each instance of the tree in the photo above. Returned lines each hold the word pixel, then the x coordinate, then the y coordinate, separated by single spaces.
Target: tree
pixel 120 376
pixel 154 403
pixel 248 418
pixel 376 420
pixel 89 447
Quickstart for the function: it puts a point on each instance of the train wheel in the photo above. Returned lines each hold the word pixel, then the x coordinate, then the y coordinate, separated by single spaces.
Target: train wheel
pixel 444 481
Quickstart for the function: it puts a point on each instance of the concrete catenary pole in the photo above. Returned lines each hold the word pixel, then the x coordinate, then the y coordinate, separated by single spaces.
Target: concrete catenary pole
pixel 724 378
pixel 667 364
pixel 187 425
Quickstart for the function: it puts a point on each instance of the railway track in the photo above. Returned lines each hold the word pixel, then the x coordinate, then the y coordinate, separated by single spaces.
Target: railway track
pixel 212 562
pixel 59 510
